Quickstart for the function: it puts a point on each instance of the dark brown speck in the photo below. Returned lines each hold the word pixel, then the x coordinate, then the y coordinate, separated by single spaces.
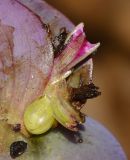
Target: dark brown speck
pixel 17 127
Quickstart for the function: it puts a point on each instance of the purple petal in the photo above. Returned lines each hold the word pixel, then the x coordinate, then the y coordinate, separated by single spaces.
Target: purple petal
pixel 77 48
pixel 26 57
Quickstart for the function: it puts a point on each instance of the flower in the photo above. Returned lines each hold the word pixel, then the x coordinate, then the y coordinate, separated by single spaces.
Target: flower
pixel 55 104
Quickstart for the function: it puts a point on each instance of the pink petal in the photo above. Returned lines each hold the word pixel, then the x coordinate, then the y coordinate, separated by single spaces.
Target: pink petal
pixel 77 48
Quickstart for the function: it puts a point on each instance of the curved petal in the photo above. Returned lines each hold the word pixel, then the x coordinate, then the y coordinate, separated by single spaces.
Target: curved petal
pixel 49 15
pixel 63 111
pixel 77 48
pixel 26 58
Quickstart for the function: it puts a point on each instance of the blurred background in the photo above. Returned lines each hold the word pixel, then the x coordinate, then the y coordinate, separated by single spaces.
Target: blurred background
pixel 109 23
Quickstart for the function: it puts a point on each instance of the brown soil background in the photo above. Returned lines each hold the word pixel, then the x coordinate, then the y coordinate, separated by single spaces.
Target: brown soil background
pixel 109 23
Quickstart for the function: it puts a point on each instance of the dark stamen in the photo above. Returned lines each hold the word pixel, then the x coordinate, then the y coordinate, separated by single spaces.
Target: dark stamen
pixel 59 42
pixel 84 92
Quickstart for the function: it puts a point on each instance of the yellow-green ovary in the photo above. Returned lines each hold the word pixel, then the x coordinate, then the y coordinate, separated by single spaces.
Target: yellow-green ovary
pixel 38 116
